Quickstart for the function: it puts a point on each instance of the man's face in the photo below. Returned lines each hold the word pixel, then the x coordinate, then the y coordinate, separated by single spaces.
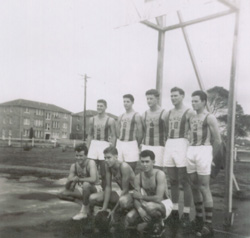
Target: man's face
pixel 127 103
pixel 100 108
pixel 110 159
pixel 152 100
pixel 197 104
pixel 176 97
pixel 146 163
pixel 80 157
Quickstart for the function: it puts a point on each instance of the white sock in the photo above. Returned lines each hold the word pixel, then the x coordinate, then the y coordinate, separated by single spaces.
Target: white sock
pixel 186 210
pixel 176 206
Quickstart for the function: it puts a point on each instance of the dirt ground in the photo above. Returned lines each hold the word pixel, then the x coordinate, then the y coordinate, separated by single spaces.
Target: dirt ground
pixel 29 207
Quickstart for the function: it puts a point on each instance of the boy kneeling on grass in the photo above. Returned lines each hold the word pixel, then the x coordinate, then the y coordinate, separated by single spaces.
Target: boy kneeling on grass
pixel 83 180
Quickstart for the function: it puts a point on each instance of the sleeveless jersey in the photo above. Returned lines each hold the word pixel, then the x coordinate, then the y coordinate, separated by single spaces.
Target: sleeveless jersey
pixel 128 127
pixel 176 124
pixel 200 132
pixel 151 191
pixel 154 128
pixel 118 179
pixel 101 128
pixel 84 173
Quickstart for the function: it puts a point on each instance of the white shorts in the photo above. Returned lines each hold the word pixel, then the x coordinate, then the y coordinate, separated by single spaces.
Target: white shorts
pixel 128 151
pixel 175 153
pixel 80 189
pixel 168 206
pixel 199 159
pixel 96 149
pixel 158 151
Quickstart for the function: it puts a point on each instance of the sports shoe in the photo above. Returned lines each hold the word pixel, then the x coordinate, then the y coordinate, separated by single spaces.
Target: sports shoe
pixel 173 219
pixel 157 230
pixel 207 230
pixel 197 225
pixel 82 214
pixel 185 220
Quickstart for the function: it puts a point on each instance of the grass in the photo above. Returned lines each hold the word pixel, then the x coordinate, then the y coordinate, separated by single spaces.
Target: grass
pixel 44 159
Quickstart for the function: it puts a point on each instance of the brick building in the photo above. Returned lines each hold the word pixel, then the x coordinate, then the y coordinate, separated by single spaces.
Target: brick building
pixel 48 121
pixel 77 123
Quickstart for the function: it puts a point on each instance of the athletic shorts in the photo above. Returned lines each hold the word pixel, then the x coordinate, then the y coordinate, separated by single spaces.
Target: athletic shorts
pixel 80 189
pixel 158 151
pixel 96 149
pixel 128 151
pixel 168 206
pixel 199 159
pixel 175 153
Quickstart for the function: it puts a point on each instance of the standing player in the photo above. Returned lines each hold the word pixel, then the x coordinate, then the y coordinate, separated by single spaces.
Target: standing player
pixel 101 128
pixel 175 154
pixel 154 128
pixel 82 181
pixel 204 127
pixel 129 132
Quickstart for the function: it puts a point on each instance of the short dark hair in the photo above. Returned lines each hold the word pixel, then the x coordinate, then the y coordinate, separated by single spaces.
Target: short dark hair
pixel 201 94
pixel 129 96
pixel 82 147
pixel 102 101
pixel 153 92
pixel 110 150
pixel 146 153
pixel 176 89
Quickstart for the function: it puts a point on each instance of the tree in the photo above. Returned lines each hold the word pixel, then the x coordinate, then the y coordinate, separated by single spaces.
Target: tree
pixel 31 133
pixel 218 104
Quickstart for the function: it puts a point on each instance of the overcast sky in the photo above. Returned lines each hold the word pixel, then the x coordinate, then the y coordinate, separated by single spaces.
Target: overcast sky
pixel 46 45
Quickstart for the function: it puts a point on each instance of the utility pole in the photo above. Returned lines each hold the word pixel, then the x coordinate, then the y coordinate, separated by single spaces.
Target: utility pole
pixel 84 105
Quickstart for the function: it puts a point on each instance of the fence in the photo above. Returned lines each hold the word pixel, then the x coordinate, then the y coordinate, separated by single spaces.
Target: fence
pixel 21 142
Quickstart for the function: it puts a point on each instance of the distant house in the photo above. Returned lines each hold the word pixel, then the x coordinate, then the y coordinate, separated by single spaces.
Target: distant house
pixel 77 123
pixel 48 121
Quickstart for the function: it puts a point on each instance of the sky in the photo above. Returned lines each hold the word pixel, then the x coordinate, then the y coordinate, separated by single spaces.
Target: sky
pixel 46 45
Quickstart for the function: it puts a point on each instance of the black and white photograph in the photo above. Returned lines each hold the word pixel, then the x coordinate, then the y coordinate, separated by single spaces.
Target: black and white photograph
pixel 125 119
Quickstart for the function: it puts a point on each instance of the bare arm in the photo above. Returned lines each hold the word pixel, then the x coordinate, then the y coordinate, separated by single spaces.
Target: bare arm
pixel 92 172
pixel 72 177
pixel 118 126
pixel 113 132
pixel 107 191
pixel 214 129
pixel 139 126
pixel 90 134
pixel 166 124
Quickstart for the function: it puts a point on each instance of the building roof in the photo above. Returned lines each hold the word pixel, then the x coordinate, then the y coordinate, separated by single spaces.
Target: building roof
pixel 34 104
pixel 90 113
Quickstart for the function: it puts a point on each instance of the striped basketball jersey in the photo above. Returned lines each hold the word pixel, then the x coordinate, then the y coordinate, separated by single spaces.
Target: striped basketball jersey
pixel 200 132
pixel 101 128
pixel 128 127
pixel 176 123
pixel 154 128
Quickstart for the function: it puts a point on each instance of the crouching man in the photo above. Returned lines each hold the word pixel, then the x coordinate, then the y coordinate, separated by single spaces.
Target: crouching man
pixel 118 199
pixel 151 202
pixel 83 180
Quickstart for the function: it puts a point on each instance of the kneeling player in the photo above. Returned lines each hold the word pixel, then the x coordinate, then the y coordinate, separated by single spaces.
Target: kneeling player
pixel 123 175
pixel 151 202
pixel 82 181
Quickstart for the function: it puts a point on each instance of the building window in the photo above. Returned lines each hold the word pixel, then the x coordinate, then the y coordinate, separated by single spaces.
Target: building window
pixel 78 127
pixel 38 123
pixel 48 116
pixel 55 135
pixel 26 122
pixel 55 124
pixel 64 134
pixel 39 112
pixel 26 132
pixel 65 116
pixel 65 125
pixel 47 126
pixel 56 115
pixel 27 110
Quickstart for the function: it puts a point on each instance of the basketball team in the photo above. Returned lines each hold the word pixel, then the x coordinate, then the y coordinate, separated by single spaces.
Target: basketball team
pixel 138 155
